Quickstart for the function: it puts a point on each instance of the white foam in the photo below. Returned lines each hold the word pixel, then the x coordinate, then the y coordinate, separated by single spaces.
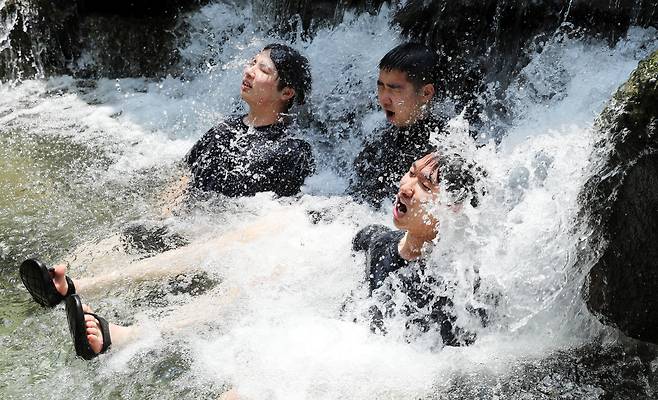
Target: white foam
pixel 284 335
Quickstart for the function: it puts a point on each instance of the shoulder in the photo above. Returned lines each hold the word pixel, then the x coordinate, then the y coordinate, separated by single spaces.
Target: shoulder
pixel 368 235
pixel 228 123
pixel 233 121
pixel 434 123
pixel 294 148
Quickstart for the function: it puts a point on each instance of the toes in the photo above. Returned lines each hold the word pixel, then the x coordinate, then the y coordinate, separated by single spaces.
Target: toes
pixel 93 331
pixel 94 334
pixel 60 270
pixel 59 279
pixel 95 342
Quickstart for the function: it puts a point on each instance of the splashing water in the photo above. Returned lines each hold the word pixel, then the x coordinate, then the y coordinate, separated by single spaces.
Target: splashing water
pixel 261 310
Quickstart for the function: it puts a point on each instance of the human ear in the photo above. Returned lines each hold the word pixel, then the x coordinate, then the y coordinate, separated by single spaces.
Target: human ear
pixel 287 93
pixel 428 91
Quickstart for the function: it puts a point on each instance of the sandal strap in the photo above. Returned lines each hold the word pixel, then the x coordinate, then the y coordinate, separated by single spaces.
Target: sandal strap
pixel 71 290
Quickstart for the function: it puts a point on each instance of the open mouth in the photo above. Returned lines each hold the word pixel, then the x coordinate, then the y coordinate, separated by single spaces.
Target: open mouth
pixel 399 208
pixel 389 114
pixel 246 84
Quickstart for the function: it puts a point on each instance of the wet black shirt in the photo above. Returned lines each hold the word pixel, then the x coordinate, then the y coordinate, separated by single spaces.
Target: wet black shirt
pixel 384 160
pixel 426 310
pixel 237 160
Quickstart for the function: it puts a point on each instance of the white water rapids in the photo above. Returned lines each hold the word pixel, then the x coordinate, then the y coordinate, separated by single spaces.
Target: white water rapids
pixel 272 328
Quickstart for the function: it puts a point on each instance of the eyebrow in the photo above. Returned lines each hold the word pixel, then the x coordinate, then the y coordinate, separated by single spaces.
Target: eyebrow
pixel 265 66
pixel 390 85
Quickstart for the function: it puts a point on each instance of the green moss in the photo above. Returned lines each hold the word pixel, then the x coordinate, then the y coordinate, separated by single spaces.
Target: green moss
pixel 634 105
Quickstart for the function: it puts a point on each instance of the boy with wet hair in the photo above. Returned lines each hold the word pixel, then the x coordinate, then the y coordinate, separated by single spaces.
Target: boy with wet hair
pixel 406 87
pixel 259 151
pixel 387 252
pixel 400 252
pixel 244 154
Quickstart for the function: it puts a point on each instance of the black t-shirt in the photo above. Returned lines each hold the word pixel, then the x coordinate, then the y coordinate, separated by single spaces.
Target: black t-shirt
pixel 237 160
pixel 426 310
pixel 384 160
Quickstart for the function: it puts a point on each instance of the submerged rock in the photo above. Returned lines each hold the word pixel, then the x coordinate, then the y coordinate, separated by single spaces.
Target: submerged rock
pixel 620 203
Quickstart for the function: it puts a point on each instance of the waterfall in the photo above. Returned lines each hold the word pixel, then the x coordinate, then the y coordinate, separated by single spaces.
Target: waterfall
pixel 83 156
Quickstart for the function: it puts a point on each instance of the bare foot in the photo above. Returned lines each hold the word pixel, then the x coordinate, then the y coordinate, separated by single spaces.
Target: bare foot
pixel 59 279
pixel 94 334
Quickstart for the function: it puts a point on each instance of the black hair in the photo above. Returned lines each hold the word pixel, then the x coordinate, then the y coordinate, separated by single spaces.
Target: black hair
pixel 416 59
pixel 458 175
pixel 293 70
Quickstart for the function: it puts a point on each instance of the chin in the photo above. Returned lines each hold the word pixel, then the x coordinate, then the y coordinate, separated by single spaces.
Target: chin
pixel 401 124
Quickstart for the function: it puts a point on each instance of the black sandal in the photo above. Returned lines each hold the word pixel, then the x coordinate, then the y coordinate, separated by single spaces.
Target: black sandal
pixel 76 318
pixel 38 281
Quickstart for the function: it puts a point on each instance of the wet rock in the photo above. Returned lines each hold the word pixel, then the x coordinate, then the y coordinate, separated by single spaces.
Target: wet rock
pixel 590 372
pixel 620 204
pixel 123 38
pixel 37 38
pixel 481 41
pixel 149 239
pixel 307 16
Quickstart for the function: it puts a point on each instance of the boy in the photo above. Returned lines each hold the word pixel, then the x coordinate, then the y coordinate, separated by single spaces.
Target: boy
pixel 256 152
pixel 390 252
pixel 406 86
pixel 244 154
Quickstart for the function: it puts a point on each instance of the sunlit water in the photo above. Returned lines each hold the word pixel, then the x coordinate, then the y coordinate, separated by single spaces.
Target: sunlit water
pixel 262 314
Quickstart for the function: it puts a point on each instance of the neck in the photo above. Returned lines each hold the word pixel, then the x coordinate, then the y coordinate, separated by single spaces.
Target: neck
pixel 411 126
pixel 411 246
pixel 262 116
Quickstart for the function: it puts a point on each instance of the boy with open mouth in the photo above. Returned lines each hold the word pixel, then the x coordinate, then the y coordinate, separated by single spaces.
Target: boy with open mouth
pixel 406 87
pixel 400 252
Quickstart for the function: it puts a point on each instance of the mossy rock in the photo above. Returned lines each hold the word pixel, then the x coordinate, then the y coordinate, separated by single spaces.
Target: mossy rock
pixel 620 203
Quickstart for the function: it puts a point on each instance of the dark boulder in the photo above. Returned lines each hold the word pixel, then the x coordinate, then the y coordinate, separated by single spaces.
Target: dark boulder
pixel 294 15
pixel 624 371
pixel 484 41
pixel 620 203
pixel 38 38
pixel 124 38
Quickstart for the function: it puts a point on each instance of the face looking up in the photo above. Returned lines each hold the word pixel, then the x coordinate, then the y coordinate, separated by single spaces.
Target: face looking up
pixel 403 103
pixel 260 83
pixel 418 187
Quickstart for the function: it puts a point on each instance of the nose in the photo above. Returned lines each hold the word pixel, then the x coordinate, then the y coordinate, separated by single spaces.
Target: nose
pixel 384 99
pixel 406 188
pixel 249 70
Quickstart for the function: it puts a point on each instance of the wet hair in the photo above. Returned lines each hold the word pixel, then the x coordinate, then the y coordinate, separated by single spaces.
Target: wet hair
pixel 419 62
pixel 458 175
pixel 293 70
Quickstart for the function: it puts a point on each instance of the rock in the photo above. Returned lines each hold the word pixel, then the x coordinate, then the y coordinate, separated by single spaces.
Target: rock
pixel 619 372
pixel 124 38
pixel 620 203
pixel 37 38
pixel 482 41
